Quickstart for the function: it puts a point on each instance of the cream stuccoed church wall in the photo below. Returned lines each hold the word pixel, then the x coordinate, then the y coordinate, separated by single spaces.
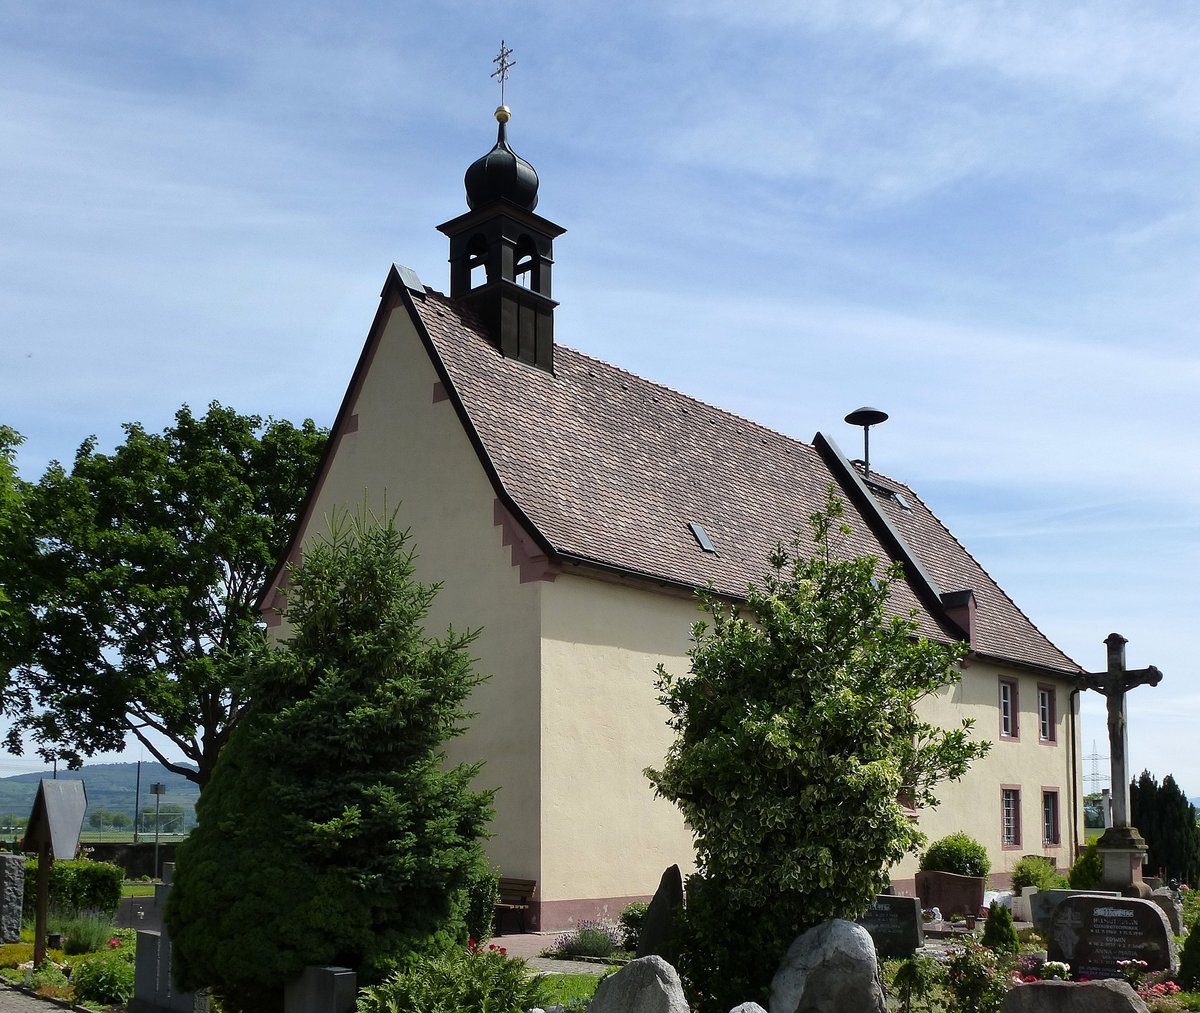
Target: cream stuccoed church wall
pixel 1029 763
pixel 403 450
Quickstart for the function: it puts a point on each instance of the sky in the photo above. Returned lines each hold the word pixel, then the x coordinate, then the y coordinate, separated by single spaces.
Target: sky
pixel 982 217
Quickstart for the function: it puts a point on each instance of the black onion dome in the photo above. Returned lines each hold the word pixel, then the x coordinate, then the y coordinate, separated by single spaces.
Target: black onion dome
pixel 501 173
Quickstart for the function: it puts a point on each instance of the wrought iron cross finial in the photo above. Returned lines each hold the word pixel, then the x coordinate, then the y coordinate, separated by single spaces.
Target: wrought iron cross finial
pixel 504 64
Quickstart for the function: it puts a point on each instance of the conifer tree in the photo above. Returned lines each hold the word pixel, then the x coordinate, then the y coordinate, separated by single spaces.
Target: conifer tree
pixel 332 831
pixel 1167 820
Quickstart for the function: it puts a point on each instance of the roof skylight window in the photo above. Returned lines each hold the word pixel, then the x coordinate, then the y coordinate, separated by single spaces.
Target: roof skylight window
pixel 702 537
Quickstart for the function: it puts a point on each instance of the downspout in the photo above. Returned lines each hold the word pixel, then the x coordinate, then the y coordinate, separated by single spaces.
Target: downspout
pixel 1074 795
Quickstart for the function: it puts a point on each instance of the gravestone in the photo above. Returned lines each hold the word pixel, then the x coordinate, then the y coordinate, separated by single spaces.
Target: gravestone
pixel 153 988
pixel 1043 904
pixel 321 990
pixel 949 892
pixel 895 925
pixel 1092 934
pixel 1108 996
pixel 1165 898
pixel 657 934
pixel 12 897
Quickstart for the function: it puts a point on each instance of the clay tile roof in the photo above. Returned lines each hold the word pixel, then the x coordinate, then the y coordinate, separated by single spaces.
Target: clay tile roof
pixel 610 469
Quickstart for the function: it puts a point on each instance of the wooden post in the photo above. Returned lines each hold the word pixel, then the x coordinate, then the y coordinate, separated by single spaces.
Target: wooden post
pixel 42 922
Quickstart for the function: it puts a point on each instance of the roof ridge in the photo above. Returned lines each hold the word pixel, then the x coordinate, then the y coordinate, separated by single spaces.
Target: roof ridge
pixel 970 555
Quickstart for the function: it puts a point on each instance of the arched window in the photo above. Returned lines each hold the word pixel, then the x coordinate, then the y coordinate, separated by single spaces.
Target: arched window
pixel 477 256
pixel 528 266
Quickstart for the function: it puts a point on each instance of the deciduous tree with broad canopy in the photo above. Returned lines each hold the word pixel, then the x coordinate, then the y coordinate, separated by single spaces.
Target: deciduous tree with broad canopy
pixel 797 741
pixel 333 831
pixel 136 594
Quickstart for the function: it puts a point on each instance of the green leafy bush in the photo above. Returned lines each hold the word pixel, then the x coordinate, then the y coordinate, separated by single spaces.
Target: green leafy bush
pixel 103 978
pixel 1188 977
pixel 999 933
pixel 478 979
pixel 915 980
pixel 801 709
pixel 47 975
pixel 1034 870
pixel 959 854
pixel 77 886
pixel 975 982
pixel 1087 872
pixel 483 894
pixel 631 921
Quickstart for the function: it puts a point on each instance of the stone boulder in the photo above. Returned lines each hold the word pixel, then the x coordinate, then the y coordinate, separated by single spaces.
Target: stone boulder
pixel 645 985
pixel 1109 996
pixel 748 1007
pixel 657 935
pixel 831 968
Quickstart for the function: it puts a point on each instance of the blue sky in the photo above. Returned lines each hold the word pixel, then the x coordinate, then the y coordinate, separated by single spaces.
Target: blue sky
pixel 982 217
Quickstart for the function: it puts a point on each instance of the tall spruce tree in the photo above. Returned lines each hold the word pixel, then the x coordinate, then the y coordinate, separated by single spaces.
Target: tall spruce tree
pixel 1167 820
pixel 797 738
pixel 332 831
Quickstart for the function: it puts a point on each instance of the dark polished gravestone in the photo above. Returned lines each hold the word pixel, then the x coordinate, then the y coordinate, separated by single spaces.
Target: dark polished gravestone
pixel 895 925
pixel 1093 934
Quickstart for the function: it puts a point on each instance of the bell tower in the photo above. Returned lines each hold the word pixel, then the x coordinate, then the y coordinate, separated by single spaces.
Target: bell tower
pixel 501 253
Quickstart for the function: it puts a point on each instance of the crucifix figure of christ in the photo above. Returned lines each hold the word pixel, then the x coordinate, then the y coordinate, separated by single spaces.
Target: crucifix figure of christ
pixel 1114 684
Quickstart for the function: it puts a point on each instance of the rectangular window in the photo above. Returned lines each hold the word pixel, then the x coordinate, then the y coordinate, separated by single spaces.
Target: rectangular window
pixel 1047 716
pixel 1010 817
pixel 1050 816
pixel 1009 728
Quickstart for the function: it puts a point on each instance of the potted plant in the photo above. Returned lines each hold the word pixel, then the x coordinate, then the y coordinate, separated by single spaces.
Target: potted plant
pixel 953 873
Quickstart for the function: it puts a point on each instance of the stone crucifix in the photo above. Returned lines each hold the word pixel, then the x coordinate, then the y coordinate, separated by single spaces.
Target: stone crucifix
pixel 1114 684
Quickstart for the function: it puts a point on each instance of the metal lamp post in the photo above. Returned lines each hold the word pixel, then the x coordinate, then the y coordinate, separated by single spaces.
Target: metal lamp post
pixel 158 790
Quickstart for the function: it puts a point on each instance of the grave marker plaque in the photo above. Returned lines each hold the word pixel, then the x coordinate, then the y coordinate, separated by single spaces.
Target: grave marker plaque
pixel 1093 933
pixel 895 925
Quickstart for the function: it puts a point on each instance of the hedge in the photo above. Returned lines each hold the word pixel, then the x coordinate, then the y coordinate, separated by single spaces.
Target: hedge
pixel 77 886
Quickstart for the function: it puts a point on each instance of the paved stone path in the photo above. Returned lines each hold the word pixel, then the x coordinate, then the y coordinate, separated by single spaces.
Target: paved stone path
pixel 13 1001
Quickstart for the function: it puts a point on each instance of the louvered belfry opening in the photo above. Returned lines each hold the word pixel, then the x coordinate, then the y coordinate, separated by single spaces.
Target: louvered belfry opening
pixel 502 254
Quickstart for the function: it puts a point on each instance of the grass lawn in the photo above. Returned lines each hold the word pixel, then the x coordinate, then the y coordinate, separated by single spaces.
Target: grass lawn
pixel 562 988
pixel 137 889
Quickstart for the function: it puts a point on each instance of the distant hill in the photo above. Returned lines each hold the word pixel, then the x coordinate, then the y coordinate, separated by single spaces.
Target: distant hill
pixel 110 786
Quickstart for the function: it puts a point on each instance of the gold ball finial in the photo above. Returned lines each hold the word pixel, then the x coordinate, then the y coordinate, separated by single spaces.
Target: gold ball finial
pixel 503 114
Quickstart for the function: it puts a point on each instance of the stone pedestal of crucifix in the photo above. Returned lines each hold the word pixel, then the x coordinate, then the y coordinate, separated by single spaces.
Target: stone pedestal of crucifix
pixel 1121 846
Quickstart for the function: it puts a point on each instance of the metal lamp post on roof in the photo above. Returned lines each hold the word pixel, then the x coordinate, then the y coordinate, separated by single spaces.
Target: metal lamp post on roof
pixel 866 417
pixel 158 790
